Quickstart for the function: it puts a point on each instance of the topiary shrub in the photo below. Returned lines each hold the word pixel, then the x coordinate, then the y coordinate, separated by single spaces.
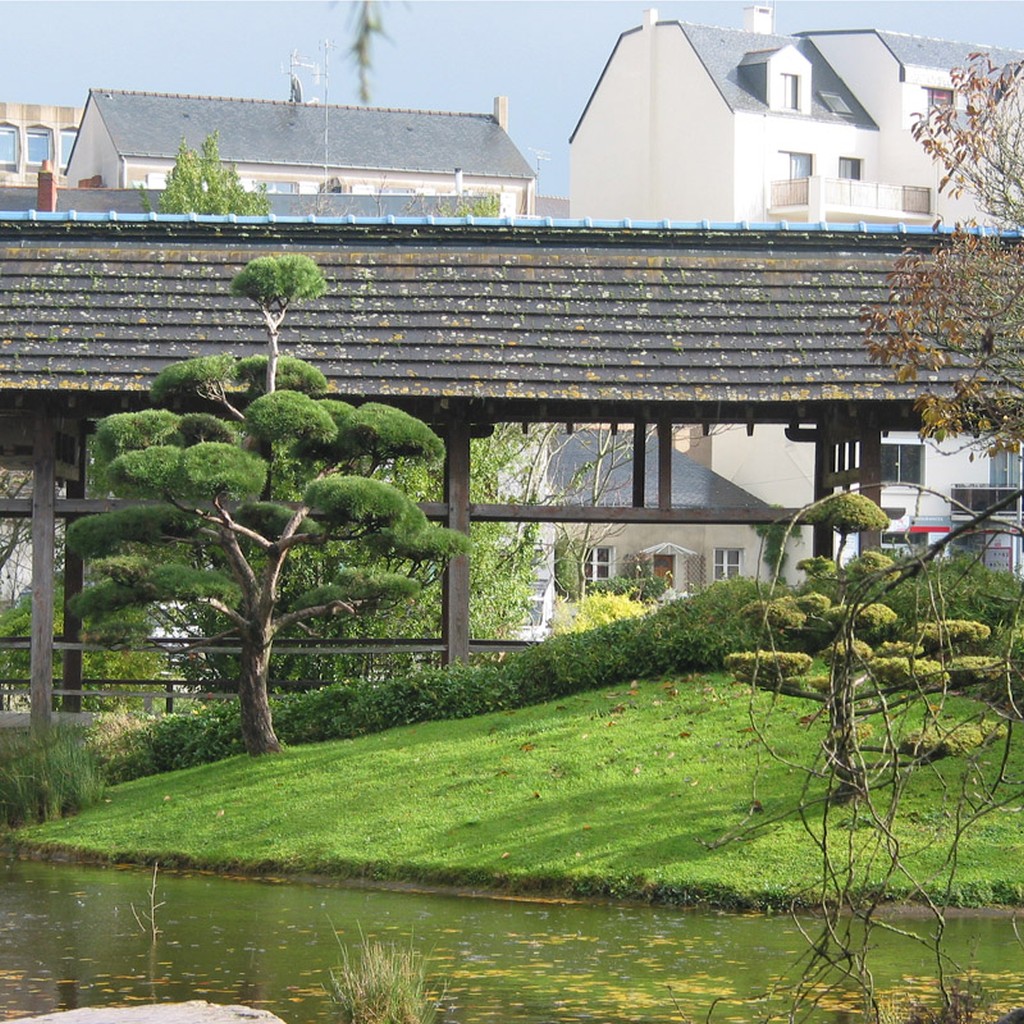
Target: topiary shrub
pixel 959 635
pixel 933 742
pixel 853 647
pixel 898 649
pixel 972 670
pixel 768 668
pixel 875 622
pixel 780 613
pixel 813 602
pixel 908 672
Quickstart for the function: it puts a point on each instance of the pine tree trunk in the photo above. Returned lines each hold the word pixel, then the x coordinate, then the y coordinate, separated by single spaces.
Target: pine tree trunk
pixel 257 727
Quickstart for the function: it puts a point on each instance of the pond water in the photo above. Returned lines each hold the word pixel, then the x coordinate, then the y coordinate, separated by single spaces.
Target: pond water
pixel 74 936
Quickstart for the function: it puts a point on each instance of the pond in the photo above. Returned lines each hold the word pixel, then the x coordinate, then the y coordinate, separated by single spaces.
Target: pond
pixel 74 936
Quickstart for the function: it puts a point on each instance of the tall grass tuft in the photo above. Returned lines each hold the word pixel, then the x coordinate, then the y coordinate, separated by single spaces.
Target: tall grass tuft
pixel 45 775
pixel 385 985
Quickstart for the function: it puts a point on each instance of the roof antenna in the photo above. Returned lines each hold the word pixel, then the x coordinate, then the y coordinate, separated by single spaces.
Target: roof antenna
pixel 321 73
pixel 540 154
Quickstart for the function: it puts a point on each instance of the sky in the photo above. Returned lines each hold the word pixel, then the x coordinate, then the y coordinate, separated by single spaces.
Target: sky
pixel 545 55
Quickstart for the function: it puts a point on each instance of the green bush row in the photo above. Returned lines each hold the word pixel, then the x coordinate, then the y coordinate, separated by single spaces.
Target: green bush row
pixel 685 636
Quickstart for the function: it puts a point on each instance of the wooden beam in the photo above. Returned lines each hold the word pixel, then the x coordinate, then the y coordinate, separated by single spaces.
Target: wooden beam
pixel 626 514
pixel 455 616
pixel 44 480
pixel 871 480
pixel 74 581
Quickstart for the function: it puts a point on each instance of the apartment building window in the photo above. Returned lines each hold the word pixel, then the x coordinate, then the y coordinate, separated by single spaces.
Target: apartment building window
pixel 850 167
pixel 939 97
pixel 40 145
pixel 728 563
pixel 902 464
pixel 284 188
pixel 801 165
pixel 791 92
pixel 1004 470
pixel 599 564
pixel 8 145
pixel 67 143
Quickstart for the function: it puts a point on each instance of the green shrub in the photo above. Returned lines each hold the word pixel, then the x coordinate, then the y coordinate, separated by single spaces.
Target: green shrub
pixel 820 567
pixel 46 775
pixel 971 670
pixel 813 603
pixel 898 649
pixel 959 635
pixel 933 742
pixel 875 622
pixel 860 650
pixel 386 985
pixel 780 613
pixel 908 672
pixel 964 589
pixel 768 667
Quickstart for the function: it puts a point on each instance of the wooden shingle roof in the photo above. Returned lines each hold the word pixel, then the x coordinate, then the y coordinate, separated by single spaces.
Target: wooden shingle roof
pixel 565 314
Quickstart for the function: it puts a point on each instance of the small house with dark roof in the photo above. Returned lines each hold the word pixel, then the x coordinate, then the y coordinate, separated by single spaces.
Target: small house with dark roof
pixel 131 139
pixel 694 122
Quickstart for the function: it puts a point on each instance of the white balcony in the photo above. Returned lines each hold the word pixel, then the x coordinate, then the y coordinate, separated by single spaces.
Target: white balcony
pixel 844 200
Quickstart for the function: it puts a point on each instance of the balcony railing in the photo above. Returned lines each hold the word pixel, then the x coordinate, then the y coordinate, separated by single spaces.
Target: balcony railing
pixel 847 194
pixel 970 499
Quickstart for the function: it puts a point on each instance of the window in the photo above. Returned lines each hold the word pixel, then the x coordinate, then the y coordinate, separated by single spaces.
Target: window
pixel 8 145
pixel 287 188
pixel 801 165
pixel 1004 470
pixel 902 464
pixel 599 564
pixel 67 143
pixel 791 92
pixel 849 167
pixel 939 97
pixel 39 145
pixel 728 563
pixel 835 103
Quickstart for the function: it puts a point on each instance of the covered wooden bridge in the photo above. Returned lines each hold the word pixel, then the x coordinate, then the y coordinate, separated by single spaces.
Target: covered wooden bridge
pixel 464 324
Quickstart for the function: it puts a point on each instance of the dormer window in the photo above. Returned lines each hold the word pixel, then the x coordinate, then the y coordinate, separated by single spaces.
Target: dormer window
pixel 8 145
pixel 791 92
pixel 40 145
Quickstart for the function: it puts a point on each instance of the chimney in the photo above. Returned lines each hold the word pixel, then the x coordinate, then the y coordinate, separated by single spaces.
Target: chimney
pixel 650 18
pixel 501 112
pixel 46 189
pixel 759 18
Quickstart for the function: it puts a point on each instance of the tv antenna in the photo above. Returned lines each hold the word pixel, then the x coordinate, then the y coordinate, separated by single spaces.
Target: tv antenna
pixel 540 155
pixel 321 74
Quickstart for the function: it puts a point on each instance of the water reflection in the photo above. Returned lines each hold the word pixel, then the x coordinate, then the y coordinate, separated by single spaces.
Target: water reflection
pixel 73 936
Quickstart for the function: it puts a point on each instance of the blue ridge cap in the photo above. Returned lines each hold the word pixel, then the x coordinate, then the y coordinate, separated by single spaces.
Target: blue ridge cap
pixel 579 224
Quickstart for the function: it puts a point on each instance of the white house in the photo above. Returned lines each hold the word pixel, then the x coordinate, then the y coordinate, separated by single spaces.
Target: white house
pixel 131 139
pixel 691 122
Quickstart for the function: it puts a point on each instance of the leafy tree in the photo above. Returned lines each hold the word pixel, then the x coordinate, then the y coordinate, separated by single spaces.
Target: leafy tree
pixel 269 469
pixel 200 183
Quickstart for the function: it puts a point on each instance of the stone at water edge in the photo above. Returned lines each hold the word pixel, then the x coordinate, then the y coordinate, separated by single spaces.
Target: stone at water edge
pixel 197 1011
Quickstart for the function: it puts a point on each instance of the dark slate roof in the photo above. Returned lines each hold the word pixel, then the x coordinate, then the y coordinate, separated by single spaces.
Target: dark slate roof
pixel 923 51
pixel 264 131
pixel 577 464
pixel 81 200
pixel 723 51
pixel 491 313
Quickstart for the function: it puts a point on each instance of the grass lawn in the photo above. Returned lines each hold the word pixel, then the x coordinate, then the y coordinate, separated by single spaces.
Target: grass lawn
pixel 610 793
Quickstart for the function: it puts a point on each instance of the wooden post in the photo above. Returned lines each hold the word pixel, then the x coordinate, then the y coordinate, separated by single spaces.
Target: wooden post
pixel 664 464
pixel 74 580
pixel 44 481
pixel 455 618
pixel 871 481
pixel 639 465
pixel 824 540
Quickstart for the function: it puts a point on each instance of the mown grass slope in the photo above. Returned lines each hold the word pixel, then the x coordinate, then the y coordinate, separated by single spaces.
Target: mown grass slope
pixel 619 792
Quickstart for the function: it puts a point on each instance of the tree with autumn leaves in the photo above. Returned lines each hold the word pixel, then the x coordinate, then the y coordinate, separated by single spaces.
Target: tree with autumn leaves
pixel 264 464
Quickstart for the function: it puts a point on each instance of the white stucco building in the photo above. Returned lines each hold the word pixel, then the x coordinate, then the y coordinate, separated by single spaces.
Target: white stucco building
pixel 691 123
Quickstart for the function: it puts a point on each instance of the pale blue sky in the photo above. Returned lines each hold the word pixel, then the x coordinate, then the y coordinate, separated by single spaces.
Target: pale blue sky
pixel 545 55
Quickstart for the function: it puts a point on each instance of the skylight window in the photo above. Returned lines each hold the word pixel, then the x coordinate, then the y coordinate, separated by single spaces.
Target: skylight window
pixel 835 103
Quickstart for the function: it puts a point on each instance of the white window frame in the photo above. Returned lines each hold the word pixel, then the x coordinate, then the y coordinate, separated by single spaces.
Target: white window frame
pixel 938 97
pixel 67 137
pixel 37 133
pixel 728 563
pixel 790 91
pixel 11 131
pixel 902 475
pixel 600 563
pixel 797 161
pixel 851 163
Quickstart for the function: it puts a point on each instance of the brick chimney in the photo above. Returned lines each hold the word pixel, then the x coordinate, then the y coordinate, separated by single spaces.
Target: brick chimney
pixel 46 189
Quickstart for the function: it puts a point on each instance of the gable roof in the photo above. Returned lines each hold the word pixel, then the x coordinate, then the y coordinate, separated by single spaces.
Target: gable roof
pixel 724 52
pixel 266 131
pixel 576 467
